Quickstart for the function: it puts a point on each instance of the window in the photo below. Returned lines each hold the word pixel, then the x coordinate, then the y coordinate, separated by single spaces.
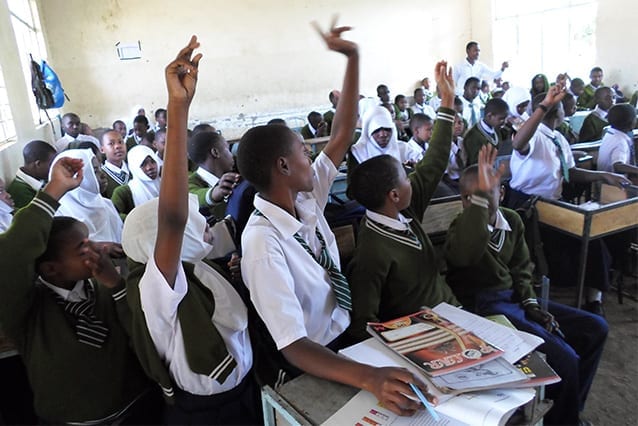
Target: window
pixel 545 36
pixel 7 128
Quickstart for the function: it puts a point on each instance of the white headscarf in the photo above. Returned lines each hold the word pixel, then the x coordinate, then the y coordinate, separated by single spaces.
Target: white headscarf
pixel 514 97
pixel 143 188
pixel 5 216
pixel 85 203
pixel 374 119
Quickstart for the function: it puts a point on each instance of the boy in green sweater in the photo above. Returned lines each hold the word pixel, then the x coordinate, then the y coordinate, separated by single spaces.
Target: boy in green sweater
pixel 394 270
pixel 596 121
pixel 489 130
pixel 69 329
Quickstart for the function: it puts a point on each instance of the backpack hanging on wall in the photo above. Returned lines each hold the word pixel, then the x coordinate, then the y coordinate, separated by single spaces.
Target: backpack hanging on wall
pixel 53 83
pixel 43 95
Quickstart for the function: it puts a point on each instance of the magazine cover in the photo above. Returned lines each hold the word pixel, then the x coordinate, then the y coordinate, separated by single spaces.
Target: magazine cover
pixel 433 343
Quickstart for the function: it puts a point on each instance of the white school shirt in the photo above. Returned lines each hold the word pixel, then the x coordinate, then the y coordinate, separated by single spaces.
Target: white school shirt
pixel 465 70
pixel 453 169
pixel 290 290
pixel 160 302
pixel 467 110
pixel 35 184
pixel 539 172
pixel 117 170
pixel 61 144
pixel 614 149
pixel 424 109
pixel 415 147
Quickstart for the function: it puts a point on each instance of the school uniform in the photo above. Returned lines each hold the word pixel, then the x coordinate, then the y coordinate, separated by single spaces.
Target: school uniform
pixel 586 100
pixel 141 188
pixel 201 183
pixel 308 132
pixel 76 376
pixel 418 147
pixel 66 140
pixel 471 111
pixel 478 136
pixel 23 188
pixel 616 147
pixel 116 176
pixel 6 216
pixel 423 109
pixel 328 117
pixel 478 69
pixel 132 141
pixel 593 125
pixel 489 269
pixel 435 103
pixel 393 271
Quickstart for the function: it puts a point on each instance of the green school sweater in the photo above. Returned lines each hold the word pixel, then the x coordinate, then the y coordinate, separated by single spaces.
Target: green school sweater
pixel 199 187
pixel 474 265
pixel 475 138
pixel 586 99
pixel 71 381
pixel 122 199
pixel 306 133
pixel 328 117
pixel 389 277
pixel 21 192
pixel 592 129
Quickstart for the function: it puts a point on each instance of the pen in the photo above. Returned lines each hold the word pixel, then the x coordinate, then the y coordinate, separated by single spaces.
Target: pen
pixel 557 330
pixel 425 402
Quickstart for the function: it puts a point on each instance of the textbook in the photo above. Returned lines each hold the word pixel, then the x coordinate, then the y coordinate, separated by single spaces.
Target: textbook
pixel 434 344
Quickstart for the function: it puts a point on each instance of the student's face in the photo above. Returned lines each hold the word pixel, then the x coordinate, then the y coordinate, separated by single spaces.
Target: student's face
pixel 315 121
pixel 473 52
pixel 299 166
pixel 495 120
pixel 577 89
pixel 506 86
pixel 5 197
pixel 570 107
pixel 382 136
pixel 459 127
pixel 149 167
pixel 70 263
pixel 161 120
pixel 159 144
pixel 384 94
pixel 72 126
pixel 596 78
pixel 113 147
pixel 141 111
pixel 140 129
pixel 538 85
pixel 521 108
pixel 100 175
pixel 419 97
pixel 471 91
pixel 458 107
pixel 426 83
pixel 423 133
pixel 403 104
pixel 403 189
pixel 606 101
pixel 121 129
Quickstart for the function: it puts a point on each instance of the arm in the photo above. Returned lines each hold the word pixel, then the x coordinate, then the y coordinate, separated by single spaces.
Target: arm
pixel 345 118
pixel 625 168
pixel 122 199
pixel 589 176
pixel 181 80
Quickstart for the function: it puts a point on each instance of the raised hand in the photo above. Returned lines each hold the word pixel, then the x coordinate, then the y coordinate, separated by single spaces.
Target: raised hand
pixel 445 83
pixel 333 38
pixel 488 178
pixel 554 95
pixel 66 174
pixel 225 186
pixel 97 259
pixel 181 74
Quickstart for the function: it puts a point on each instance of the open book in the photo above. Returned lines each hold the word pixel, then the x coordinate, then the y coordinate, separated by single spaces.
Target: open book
pixel 434 344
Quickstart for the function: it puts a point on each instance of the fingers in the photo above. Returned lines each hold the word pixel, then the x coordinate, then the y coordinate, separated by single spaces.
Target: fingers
pixel 187 51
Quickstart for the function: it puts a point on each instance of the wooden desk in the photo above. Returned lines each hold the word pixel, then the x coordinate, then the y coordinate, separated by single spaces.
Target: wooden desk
pixel 316 144
pixel 438 216
pixel 589 223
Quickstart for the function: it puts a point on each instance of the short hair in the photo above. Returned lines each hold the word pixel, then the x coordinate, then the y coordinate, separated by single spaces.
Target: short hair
pixel 258 150
pixel 599 93
pixel 140 119
pixel 577 81
pixel 381 86
pixel 622 117
pixel 37 150
pixel 159 111
pixel 202 127
pixel 568 98
pixel 59 228
pixel 470 81
pixel 398 98
pixel 470 45
pixel 159 132
pixel 371 181
pixel 331 96
pixel 417 90
pixel 314 114
pixel 117 122
pixel 277 122
pixel 496 106
pixel 419 120
pixel 551 112
pixel 70 115
pixel 595 69
pixel 470 174
pixel 200 145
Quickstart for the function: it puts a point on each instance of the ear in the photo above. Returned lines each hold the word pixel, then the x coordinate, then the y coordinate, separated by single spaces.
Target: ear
pixel 214 152
pixel 393 195
pixel 48 269
pixel 283 167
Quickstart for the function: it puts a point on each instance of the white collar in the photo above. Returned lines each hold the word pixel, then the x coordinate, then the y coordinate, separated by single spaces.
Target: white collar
pixel 116 169
pixel 486 128
pixel 600 112
pixel 401 224
pixel 501 222
pixel 34 183
pixel 208 177
pixel 312 129
pixel 542 127
pixel 282 221
pixel 77 294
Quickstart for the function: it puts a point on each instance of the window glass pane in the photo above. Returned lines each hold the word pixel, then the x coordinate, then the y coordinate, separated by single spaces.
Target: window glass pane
pixel 7 128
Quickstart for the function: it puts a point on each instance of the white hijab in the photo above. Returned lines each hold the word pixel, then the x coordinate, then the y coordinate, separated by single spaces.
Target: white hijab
pixel 85 203
pixel 143 188
pixel 514 97
pixel 5 216
pixel 375 118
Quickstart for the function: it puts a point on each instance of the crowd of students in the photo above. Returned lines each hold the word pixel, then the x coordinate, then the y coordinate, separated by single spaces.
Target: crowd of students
pixel 102 340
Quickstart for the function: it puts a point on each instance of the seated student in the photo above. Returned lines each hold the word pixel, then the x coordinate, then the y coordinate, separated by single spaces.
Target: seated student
pixel 7 206
pixel 540 84
pixel 86 204
pixel 292 292
pixel 383 93
pixel 159 143
pixel 569 106
pixel 189 324
pixel 617 153
pixel 541 161
pixel 427 93
pixel 148 140
pixel 33 174
pixel 457 155
pixel 114 167
pixel 490 271
pixel 140 128
pixel 592 128
pixel 71 125
pixel 586 99
pixel 63 304
pixel 489 130
pixel 214 179
pixel 316 127
pixel 435 101
pixel 576 88
pixel 160 119
pixel 458 108
pixel 420 107
pixel 484 94
pixel 421 126
pixel 145 184
pixel 328 116
pixel 120 127
pixel 471 105
pixel 518 100
pixel 403 115
pixel 393 271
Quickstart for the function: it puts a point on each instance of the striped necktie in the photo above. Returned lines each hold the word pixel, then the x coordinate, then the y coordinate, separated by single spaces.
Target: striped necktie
pixel 473 117
pixel 561 157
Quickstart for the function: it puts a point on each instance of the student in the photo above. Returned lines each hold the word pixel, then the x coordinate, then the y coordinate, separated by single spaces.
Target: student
pixel 471 105
pixel 328 116
pixel 420 107
pixel 30 178
pixel 71 125
pixel 596 121
pixel 140 128
pixel 587 99
pixel 160 119
pixel 85 203
pixel 518 100
pixel 540 84
pixel 120 127
pixel 484 93
pixel 159 143
pixel 541 161
pixel 145 184
pixel 291 291
pixel 383 93
pixel 569 106
pixel 617 152
pixel 490 271
pixel 316 127
pixel 421 126
pixel 487 131
pixel 393 272
pixel 403 115
pixel 114 167
pixel 576 88
pixel 7 206
pixel 63 304
pixel 189 324
pixel 427 93
pixel 472 67
pixel 457 155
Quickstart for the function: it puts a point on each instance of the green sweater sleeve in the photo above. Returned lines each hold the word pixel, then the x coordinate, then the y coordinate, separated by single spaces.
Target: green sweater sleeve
pixel 122 199
pixel 468 235
pixel 428 172
pixel 21 245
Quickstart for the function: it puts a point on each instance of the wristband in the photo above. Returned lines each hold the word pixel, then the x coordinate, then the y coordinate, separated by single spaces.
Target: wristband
pixel 543 107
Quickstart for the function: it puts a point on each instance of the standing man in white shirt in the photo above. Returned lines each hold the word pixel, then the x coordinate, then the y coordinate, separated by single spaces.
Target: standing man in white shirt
pixel 472 67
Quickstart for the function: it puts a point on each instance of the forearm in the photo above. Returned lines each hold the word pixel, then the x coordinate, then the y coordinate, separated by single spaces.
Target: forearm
pixel 520 141
pixel 173 200
pixel 623 168
pixel 586 176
